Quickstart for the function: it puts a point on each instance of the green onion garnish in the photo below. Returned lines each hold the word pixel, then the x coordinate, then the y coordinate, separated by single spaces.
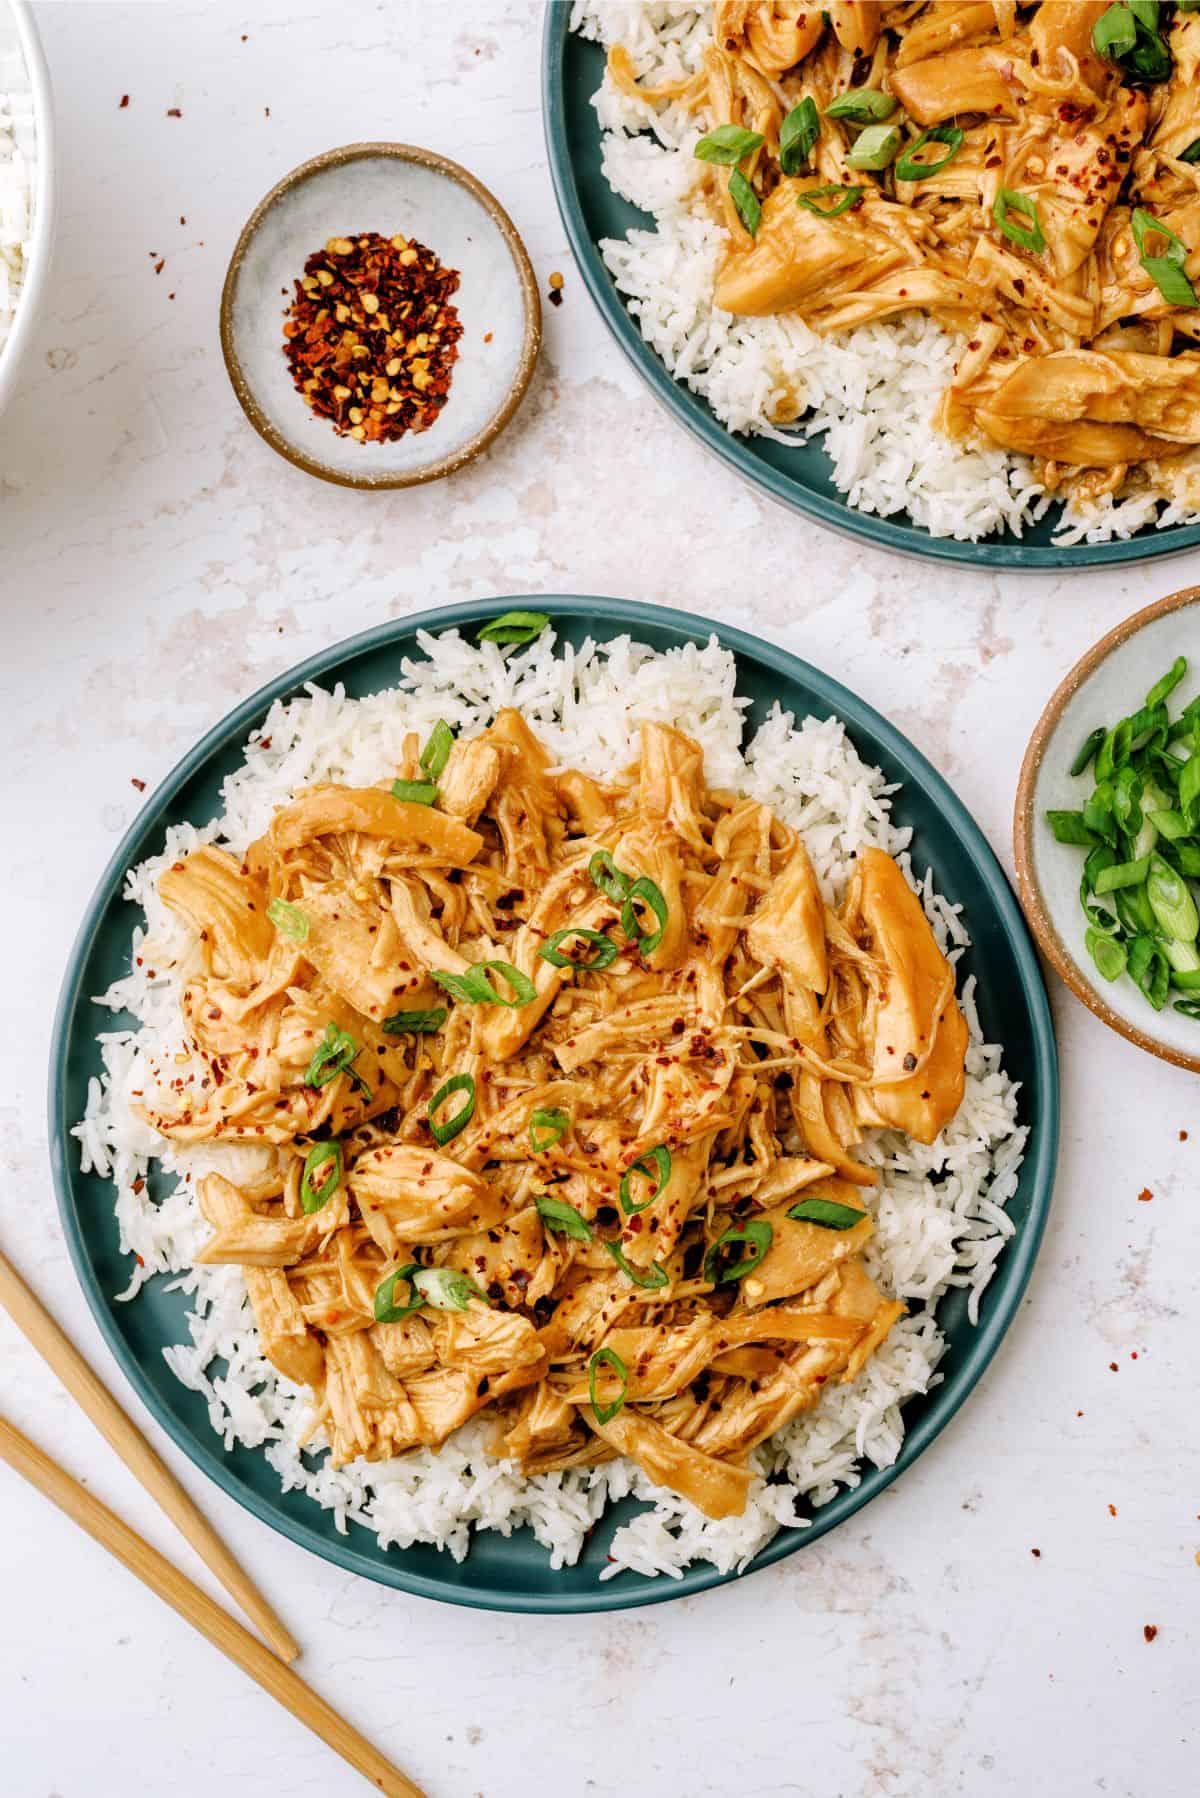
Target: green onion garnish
pixel 1121 874
pixel 1026 237
pixel 605 950
pixel 909 169
pixel 436 752
pixel 288 920
pixel 420 1023
pixel 745 202
pixel 828 1213
pixel 1192 153
pixel 415 792
pixel 334 1057
pixel 316 1192
pixel 1150 969
pixel 1069 827
pixel 1166 684
pixel 607 1357
pixel 1108 954
pixel 861 105
pixel 514 627
pixel 875 148
pixel 475 988
pixel 644 892
pixel 1167 271
pixel 446 1288
pixel 449 1128
pixel 650 1279
pixel 1114 33
pixel 562 1218
pixel 655 1164
pixel 387 1311
pixel 847 197
pixel 1087 749
pixel 1128 35
pixel 1171 902
pixel 727 144
pixel 605 875
pixel 757 1237
pixel 547 1126
pixel 797 136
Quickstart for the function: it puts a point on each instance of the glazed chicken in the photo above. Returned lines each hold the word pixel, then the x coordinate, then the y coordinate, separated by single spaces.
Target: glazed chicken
pixel 1016 171
pixel 561 1086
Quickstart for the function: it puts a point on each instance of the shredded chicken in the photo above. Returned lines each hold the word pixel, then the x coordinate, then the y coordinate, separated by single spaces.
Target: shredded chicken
pixel 633 1225
pixel 1073 353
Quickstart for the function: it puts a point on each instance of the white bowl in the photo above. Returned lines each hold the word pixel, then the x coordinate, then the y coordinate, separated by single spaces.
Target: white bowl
pixel 1108 683
pixel 23 70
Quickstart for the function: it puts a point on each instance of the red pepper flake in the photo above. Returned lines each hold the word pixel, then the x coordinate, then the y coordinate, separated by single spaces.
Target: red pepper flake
pixel 1145 1196
pixel 371 337
pixel 487 337
pixel 1036 1553
pixel 124 103
pixel 139 784
pixel 173 112
pixel 1149 1630
pixel 556 289
pixel 160 265
pixel 1113 1368
pixel 1112 1510
pixel 1183 1136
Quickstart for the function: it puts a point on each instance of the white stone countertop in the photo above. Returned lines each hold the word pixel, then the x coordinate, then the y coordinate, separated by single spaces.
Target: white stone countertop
pixel 977 1630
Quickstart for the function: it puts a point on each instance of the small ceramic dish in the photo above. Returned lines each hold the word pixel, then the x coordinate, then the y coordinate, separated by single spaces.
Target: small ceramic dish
pixel 25 77
pixel 1110 681
pixel 387 188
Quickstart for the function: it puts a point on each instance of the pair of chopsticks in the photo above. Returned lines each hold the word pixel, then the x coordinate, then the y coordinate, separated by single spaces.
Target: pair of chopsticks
pixel 153 1569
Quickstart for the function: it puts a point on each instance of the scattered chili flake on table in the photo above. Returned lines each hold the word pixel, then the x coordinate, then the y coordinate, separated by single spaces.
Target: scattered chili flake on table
pixel 1149 1630
pixel 371 337
pixel 124 102
pixel 1145 1196
pixel 556 287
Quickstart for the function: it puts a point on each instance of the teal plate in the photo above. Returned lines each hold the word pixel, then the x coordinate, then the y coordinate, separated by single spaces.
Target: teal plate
pixel 514 1573
pixel 801 475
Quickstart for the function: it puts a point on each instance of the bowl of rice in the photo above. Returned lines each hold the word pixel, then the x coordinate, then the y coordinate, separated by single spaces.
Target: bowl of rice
pixel 26 185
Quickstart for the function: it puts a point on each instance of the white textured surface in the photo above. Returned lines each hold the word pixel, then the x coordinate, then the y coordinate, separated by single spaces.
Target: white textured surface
pixel 160 561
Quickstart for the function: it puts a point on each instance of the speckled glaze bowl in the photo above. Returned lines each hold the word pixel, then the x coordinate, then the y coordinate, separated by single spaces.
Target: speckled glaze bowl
pixel 387 188
pixel 23 71
pixel 1106 684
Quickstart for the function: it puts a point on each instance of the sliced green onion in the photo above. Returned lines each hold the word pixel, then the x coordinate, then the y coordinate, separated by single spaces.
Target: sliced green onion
pixel 606 950
pixel 909 169
pixel 1190 1008
pixel 1150 969
pixel 316 1192
pixel 605 875
pixel 1107 953
pixel 727 144
pixel 514 627
pixel 547 1126
pixel 288 920
pixel 650 1279
pixel 875 148
pixel 645 892
pixel 655 1164
pixel 1192 153
pixel 1121 874
pixel 1166 685
pixel 1133 909
pixel 797 136
pixel 1114 33
pixel 1189 787
pixel 420 1023
pixel 1170 824
pixel 334 1057
pixel 1167 271
pixel 828 1213
pixel 1185 962
pixel 1088 748
pixel 861 105
pixel 446 1288
pixel 607 1357
pixel 387 1311
pixel 1069 827
pixel 745 202
pixel 436 752
pixel 757 1237
pixel 475 988
pixel 415 792
pixel 847 197
pixel 1026 237
pixel 562 1218
pixel 1128 35
pixel 449 1128
pixel 1171 902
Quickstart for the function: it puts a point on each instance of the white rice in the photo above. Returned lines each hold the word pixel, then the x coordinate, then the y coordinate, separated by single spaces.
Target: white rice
pixel 16 186
pixel 939 1210
pixel 871 393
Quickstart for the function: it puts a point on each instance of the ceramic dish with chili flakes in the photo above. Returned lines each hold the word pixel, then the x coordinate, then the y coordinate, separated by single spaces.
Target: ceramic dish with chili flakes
pixel 326 362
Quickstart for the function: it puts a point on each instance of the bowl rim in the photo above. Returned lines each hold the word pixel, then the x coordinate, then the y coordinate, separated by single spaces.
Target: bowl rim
pixel 1033 902
pixel 45 200
pixel 1012 556
pixel 611 616
pixel 530 300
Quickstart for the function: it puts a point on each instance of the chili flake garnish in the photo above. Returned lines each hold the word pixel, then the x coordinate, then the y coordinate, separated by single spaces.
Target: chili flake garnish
pixel 371 337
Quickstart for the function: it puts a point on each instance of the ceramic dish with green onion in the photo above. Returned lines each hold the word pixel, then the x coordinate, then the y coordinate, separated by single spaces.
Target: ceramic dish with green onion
pixel 1107 829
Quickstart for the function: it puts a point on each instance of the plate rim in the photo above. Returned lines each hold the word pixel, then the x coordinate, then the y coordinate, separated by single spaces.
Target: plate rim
pixel 1019 1257
pixel 690 411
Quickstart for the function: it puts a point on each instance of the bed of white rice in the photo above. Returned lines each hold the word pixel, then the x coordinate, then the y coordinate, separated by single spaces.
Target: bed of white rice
pixel 940 1211
pixel 16 185
pixel 871 392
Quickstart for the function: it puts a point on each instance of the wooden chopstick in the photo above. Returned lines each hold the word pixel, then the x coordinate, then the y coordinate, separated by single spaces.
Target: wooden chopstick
pixel 177 1590
pixel 120 1431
